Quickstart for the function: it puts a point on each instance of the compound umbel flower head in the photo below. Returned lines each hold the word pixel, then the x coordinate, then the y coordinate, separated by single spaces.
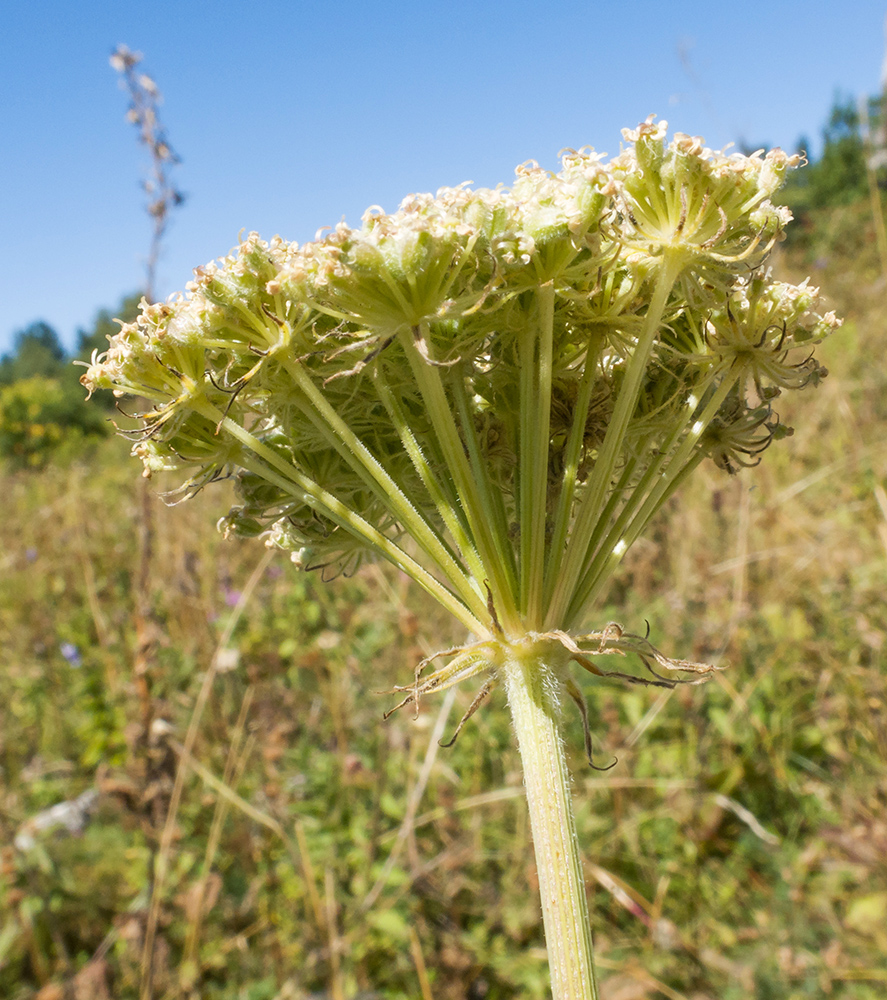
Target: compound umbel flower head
pixel 516 379
pixel 495 390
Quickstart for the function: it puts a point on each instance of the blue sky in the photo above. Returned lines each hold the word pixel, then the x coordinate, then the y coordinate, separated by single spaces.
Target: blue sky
pixel 289 116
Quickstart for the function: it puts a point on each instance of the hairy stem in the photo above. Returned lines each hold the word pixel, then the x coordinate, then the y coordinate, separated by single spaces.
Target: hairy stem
pixel 534 686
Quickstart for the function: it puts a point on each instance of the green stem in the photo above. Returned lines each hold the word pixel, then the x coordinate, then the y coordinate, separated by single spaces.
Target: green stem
pixel 535 344
pixel 534 688
pixel 570 475
pixel 479 515
pixel 341 437
pixel 270 466
pixel 608 533
pixel 601 477
pixel 640 509
pixel 490 493
pixel 592 587
pixel 446 506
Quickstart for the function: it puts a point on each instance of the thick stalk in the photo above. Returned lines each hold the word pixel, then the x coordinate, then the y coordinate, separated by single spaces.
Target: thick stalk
pixel 534 689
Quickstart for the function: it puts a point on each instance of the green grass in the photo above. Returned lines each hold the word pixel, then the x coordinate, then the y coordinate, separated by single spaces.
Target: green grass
pixel 738 849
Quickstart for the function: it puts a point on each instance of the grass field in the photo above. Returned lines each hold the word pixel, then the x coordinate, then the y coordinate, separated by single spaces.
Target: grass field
pixel 738 849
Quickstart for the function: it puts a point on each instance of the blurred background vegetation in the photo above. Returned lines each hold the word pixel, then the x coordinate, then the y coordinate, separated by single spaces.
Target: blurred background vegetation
pixel 738 848
pixel 44 415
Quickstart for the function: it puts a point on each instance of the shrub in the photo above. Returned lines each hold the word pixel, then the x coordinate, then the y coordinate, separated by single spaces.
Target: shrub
pixel 39 416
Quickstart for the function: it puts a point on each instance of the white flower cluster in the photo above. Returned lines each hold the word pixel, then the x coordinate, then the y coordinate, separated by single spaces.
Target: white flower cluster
pixel 596 330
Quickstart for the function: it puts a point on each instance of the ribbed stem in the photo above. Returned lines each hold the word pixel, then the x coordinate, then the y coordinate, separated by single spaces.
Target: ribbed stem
pixel 534 688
